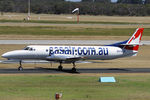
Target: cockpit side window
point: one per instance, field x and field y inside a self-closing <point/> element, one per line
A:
<point x="26" y="48"/>
<point x="29" y="48"/>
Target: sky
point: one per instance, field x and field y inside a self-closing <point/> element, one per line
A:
<point x="114" y="1"/>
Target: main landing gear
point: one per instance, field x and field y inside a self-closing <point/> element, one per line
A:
<point x="74" y="67"/>
<point x="60" y="67"/>
<point x="20" y="68"/>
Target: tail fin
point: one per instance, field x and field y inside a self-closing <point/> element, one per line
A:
<point x="136" y="37"/>
<point x="134" y="42"/>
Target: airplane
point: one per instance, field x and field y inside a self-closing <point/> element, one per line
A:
<point x="73" y="54"/>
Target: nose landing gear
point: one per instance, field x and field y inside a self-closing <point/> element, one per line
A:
<point x="20" y="68"/>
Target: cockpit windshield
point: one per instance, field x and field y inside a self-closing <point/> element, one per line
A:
<point x="29" y="48"/>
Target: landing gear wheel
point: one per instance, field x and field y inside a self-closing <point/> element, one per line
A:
<point x="20" y="68"/>
<point x="60" y="68"/>
<point x="74" y="69"/>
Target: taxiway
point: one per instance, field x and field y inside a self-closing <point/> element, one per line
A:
<point x="79" y="70"/>
<point x="67" y="42"/>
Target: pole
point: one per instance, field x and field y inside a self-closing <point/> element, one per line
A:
<point x="29" y="9"/>
<point x="93" y="6"/>
<point x="78" y="16"/>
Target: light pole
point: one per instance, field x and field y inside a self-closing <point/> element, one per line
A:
<point x="29" y="9"/>
<point x="93" y="7"/>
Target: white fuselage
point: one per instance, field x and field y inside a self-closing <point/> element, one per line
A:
<point x="52" y="52"/>
<point x="72" y="54"/>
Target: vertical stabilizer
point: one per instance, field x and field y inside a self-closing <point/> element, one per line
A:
<point x="136" y="37"/>
<point x="134" y="42"/>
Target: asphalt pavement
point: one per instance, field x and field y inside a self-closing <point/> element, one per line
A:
<point x="63" y="42"/>
<point x="79" y="70"/>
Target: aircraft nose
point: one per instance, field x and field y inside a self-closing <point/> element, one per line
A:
<point x="16" y="54"/>
<point x="8" y="55"/>
<point x="5" y="55"/>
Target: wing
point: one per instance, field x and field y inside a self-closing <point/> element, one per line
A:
<point x="65" y="58"/>
<point x="23" y="61"/>
<point x="36" y="61"/>
<point x="53" y="58"/>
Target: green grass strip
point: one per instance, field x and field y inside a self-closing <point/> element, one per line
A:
<point x="66" y="22"/>
<point x="62" y="31"/>
<point x="44" y="87"/>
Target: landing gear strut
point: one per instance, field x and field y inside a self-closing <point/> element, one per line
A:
<point x="60" y="67"/>
<point x="74" y="69"/>
<point x="20" y="67"/>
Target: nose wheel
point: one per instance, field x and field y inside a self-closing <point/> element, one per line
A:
<point x="20" y="68"/>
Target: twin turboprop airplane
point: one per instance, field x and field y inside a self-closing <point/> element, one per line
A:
<point x="72" y="54"/>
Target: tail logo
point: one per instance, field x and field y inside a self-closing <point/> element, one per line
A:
<point x="136" y="38"/>
<point x="134" y="42"/>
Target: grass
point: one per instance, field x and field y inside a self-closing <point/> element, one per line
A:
<point x="72" y="18"/>
<point x="74" y="87"/>
<point x="61" y="31"/>
<point x="61" y="25"/>
<point x="65" y="22"/>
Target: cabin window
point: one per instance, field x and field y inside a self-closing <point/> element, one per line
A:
<point x="46" y="50"/>
<point x="30" y="49"/>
